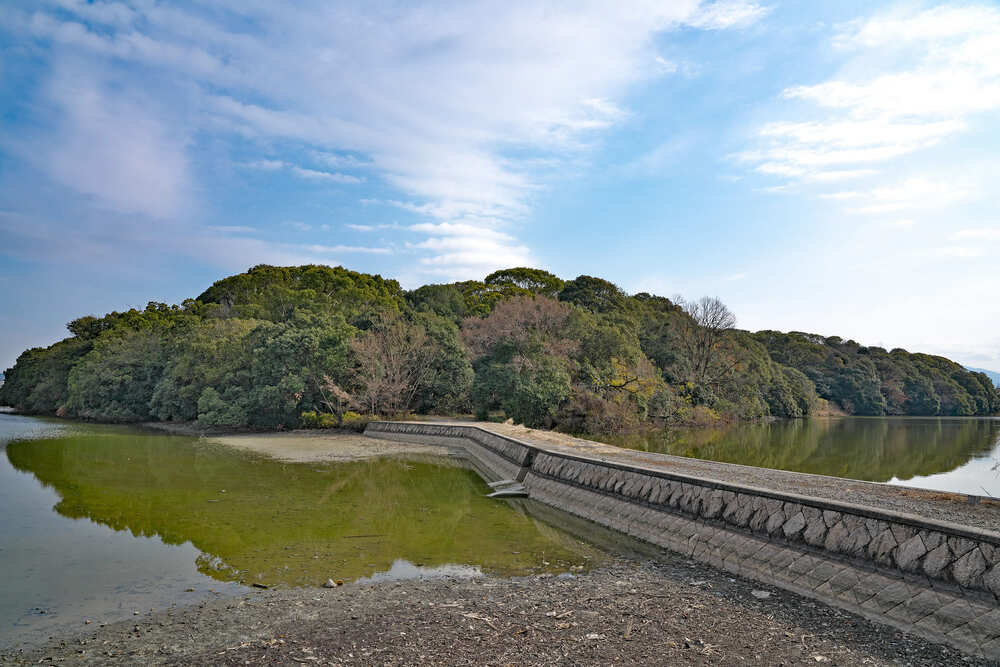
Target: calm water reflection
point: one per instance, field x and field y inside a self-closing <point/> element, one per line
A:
<point x="950" y="454"/>
<point x="100" y="520"/>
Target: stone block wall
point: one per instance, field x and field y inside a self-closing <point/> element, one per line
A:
<point x="962" y="558"/>
<point x="926" y="577"/>
<point x="495" y="457"/>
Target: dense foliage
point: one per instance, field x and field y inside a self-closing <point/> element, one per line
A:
<point x="871" y="381"/>
<point x="280" y="347"/>
<point x="993" y="375"/>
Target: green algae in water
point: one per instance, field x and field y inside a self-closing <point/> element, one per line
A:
<point x="259" y="520"/>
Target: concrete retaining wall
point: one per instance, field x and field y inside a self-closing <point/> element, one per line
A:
<point x="933" y="579"/>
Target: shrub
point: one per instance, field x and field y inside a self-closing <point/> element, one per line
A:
<point x="355" y="421"/>
<point x="313" y="419"/>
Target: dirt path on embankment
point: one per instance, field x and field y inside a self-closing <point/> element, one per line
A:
<point x="941" y="506"/>
<point x="672" y="612"/>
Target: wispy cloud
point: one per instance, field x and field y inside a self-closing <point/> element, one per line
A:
<point x="919" y="194"/>
<point x="303" y="172"/>
<point x="463" y="112"/>
<point x="347" y="249"/>
<point x="231" y="229"/>
<point x="117" y="148"/>
<point x="723" y="14"/>
<point x="985" y="234"/>
<point x="914" y="80"/>
<point x="340" y="161"/>
<point x="372" y="228"/>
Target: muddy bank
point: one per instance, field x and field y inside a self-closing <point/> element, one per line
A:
<point x="669" y="611"/>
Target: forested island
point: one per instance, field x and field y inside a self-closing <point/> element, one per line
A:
<point x="319" y="346"/>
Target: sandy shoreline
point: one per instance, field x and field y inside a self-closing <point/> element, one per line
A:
<point x="319" y="446"/>
<point x="304" y="446"/>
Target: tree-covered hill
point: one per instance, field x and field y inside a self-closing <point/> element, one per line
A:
<point x="280" y="347"/>
<point x="993" y="375"/>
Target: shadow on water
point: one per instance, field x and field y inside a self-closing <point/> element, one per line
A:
<point x="873" y="449"/>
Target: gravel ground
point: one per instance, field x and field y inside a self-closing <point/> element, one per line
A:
<point x="663" y="612"/>
<point x="946" y="507"/>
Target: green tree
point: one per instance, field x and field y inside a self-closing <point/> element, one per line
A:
<point x="594" y="294"/>
<point x="116" y="380"/>
<point x="535" y="281"/>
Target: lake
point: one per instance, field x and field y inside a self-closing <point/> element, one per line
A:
<point x="957" y="454"/>
<point x="100" y="522"/>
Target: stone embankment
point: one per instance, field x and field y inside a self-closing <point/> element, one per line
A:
<point x="935" y="579"/>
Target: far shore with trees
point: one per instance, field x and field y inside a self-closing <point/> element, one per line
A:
<point x="319" y="346"/>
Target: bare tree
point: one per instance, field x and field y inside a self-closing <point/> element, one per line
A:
<point x="704" y="337"/>
<point x="335" y="398"/>
<point x="518" y="320"/>
<point x="394" y="361"/>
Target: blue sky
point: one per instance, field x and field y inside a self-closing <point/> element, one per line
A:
<point x="828" y="167"/>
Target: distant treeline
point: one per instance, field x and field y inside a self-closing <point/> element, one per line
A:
<point x="280" y="347"/>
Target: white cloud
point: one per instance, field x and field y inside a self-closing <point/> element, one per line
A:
<point x="347" y="248"/>
<point x="958" y="251"/>
<point x="721" y="14"/>
<point x="302" y="172"/>
<point x="464" y="109"/>
<point x="340" y="161"/>
<point x="986" y="234"/>
<point x="461" y="230"/>
<point x="316" y="175"/>
<point x="842" y="195"/>
<point x="372" y="228"/>
<point x="913" y="81"/>
<point x="667" y="66"/>
<point x="240" y="253"/>
<point x="914" y="194"/>
<point x="115" y="148"/>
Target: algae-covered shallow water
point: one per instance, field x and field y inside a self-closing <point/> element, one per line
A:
<point x="99" y="522"/>
<point x="955" y="454"/>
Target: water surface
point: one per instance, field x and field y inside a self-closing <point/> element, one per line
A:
<point x="102" y="521"/>
<point x="946" y="454"/>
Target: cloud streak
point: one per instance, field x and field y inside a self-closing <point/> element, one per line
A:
<point x="914" y="81"/>
<point x="463" y="110"/>
<point x="303" y="172"/>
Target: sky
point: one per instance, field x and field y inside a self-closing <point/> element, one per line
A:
<point x="828" y="167"/>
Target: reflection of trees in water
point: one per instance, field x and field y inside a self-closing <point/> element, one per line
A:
<point x="859" y="448"/>
<point x="258" y="519"/>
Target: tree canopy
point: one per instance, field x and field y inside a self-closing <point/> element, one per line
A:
<point x="281" y="347"/>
